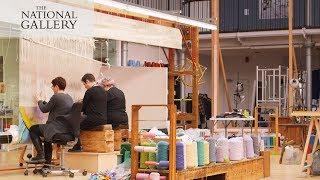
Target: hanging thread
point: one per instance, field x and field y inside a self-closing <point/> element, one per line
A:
<point x="212" y="149"/>
<point x="200" y="148"/>
<point x="163" y="148"/>
<point x="236" y="149"/>
<point x="222" y="150"/>
<point x="248" y="144"/>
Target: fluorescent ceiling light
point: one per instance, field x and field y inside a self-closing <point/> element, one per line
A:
<point x="149" y="12"/>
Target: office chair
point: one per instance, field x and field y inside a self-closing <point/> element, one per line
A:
<point x="64" y="140"/>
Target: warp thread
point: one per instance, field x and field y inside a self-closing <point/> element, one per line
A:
<point x="200" y="147"/>
<point x="180" y="156"/>
<point x="248" y="144"/>
<point x="212" y="149"/>
<point x="222" y="152"/>
<point x="236" y="149"/>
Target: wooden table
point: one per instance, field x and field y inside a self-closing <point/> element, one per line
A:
<point x="227" y="121"/>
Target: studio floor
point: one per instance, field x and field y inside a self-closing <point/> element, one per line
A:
<point x="278" y="172"/>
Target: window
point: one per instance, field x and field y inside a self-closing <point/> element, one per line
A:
<point x="273" y="9"/>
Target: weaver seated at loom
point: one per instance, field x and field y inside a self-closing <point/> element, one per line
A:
<point x="59" y="104"/>
<point x="116" y="104"/>
<point x="93" y="108"/>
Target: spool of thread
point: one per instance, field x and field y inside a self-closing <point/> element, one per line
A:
<point x="163" y="148"/>
<point x="185" y="155"/>
<point x="149" y="135"/>
<point x="163" y="178"/>
<point x="222" y="150"/>
<point x="248" y="144"/>
<point x="142" y="176"/>
<point x="212" y="149"/>
<point x="161" y="164"/>
<point x="200" y="148"/>
<point x="206" y="153"/>
<point x="154" y="176"/>
<point x="180" y="156"/>
<point x="192" y="155"/>
<point x="144" y="154"/>
<point x="236" y="149"/>
<point x="127" y="156"/>
<point x="256" y="144"/>
<point x="152" y="155"/>
<point x="145" y="149"/>
<point x="195" y="154"/>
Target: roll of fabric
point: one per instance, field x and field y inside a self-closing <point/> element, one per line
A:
<point x="248" y="144"/>
<point x="212" y="149"/>
<point x="222" y="152"/>
<point x="236" y="149"/>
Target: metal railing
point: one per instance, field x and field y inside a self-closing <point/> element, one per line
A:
<point x="243" y="15"/>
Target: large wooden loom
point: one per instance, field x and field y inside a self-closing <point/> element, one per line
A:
<point x="228" y="170"/>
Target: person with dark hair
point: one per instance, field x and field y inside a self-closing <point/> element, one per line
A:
<point x="59" y="104"/>
<point x="116" y="105"/>
<point x="94" y="107"/>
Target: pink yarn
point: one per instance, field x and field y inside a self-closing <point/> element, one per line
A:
<point x="248" y="144"/>
<point x="236" y="149"/>
<point x="222" y="152"/>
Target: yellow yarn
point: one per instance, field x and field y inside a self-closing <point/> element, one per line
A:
<point x="191" y="154"/>
<point x="206" y="152"/>
<point x="28" y="122"/>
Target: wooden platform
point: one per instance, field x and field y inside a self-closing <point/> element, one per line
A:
<point x="247" y="169"/>
<point x="92" y="162"/>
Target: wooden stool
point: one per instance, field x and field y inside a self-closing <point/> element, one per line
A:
<point x="100" y="139"/>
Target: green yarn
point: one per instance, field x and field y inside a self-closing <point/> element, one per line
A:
<point x="127" y="156"/>
<point x="144" y="156"/>
<point x="125" y="147"/>
<point x="152" y="156"/>
<point x="163" y="148"/>
<point x="200" y="147"/>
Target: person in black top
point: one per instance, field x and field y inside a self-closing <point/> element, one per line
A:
<point x="94" y="107"/>
<point x="116" y="104"/>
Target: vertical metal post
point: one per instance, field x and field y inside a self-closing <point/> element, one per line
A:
<point x="309" y="73"/>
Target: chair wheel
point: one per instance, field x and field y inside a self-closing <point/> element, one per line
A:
<point x="26" y="173"/>
<point x="20" y="164"/>
<point x="84" y="172"/>
<point x="45" y="175"/>
<point x="71" y="175"/>
<point x="29" y="156"/>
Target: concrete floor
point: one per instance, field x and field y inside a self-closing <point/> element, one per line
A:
<point x="278" y="172"/>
